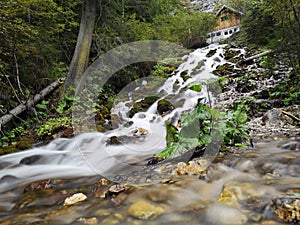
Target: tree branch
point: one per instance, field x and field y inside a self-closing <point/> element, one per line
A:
<point x="30" y="103"/>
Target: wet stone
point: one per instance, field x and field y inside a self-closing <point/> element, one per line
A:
<point x="116" y="188"/>
<point x="287" y="209"/>
<point x="89" y="221"/>
<point x="145" y="210"/>
<point x="164" y="107"/>
<point x="78" y="197"/>
<point x="191" y="168"/>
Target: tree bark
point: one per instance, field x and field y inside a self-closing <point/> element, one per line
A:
<point x="80" y="57"/>
<point x="30" y="103"/>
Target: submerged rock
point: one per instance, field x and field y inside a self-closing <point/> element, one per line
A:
<point x="89" y="221"/>
<point x="225" y="215"/>
<point x="145" y="210"/>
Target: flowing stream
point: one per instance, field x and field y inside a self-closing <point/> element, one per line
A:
<point x="256" y="176"/>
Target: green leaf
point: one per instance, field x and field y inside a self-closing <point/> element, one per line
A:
<point x="195" y="87"/>
<point x="241" y="117"/>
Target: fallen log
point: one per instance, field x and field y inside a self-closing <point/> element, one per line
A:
<point x="30" y="103"/>
<point x="291" y="116"/>
<point x="254" y="56"/>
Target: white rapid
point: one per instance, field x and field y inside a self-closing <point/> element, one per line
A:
<point x="90" y="154"/>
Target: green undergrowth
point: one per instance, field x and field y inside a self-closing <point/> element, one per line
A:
<point x="200" y="126"/>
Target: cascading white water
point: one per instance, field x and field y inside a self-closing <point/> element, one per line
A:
<point x="89" y="154"/>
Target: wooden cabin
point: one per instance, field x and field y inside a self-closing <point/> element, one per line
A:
<point x="229" y="21"/>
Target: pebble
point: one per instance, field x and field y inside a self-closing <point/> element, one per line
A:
<point x="78" y="197"/>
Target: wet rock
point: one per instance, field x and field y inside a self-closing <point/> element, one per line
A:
<point x="211" y="52"/>
<point x="287" y="209"/>
<point x="160" y="196"/>
<point x="102" y="190"/>
<point x="145" y="210"/>
<point x="64" y="215"/>
<point x="114" y="140"/>
<point x="44" y="184"/>
<point x="230" y="53"/>
<point x="30" y="160"/>
<point x="142" y="105"/>
<point x="225" y="215"/>
<point x="272" y="117"/>
<point x="140" y="132"/>
<point x="116" y="188"/>
<point x="224" y="70"/>
<point x="164" y="107"/>
<point x="114" y="219"/>
<point x="246" y="193"/>
<point x="89" y="221"/>
<point x="229" y="195"/>
<point x="102" y="212"/>
<point x="191" y="168"/>
<point x="78" y="197"/>
<point x="119" y="199"/>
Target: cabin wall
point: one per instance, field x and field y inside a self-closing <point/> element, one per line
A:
<point x="228" y="19"/>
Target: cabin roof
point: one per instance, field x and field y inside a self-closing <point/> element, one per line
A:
<point x="229" y="8"/>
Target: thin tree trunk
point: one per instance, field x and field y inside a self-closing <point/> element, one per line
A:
<point x="80" y="58"/>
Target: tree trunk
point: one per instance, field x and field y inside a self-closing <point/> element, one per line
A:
<point x="80" y="58"/>
<point x="30" y="103"/>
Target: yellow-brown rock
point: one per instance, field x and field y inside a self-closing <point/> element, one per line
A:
<point x="145" y="210"/>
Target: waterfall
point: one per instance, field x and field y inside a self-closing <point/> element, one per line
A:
<point x="90" y="154"/>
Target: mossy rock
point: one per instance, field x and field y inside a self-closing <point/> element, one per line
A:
<point x="143" y="105"/>
<point x="164" y="106"/>
<point x="24" y="144"/>
<point x="211" y="53"/>
<point x="224" y="70"/>
<point x="245" y="86"/>
<point x="184" y="75"/>
<point x="229" y="54"/>
<point x="8" y="149"/>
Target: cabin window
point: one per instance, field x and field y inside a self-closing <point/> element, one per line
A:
<point x="226" y="33"/>
<point x="230" y="32"/>
<point x="223" y="18"/>
<point x="219" y="33"/>
<point x="235" y="29"/>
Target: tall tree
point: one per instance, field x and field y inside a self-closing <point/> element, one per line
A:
<point x="80" y="58"/>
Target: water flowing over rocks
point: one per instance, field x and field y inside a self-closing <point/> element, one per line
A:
<point x="257" y="185"/>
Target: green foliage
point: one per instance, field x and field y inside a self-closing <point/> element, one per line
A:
<point x="184" y="27"/>
<point x="197" y="130"/>
<point x="30" y="33"/>
<point x="195" y="87"/>
<point x="53" y="124"/>
<point x="236" y="128"/>
<point x="162" y="70"/>
<point x="8" y="137"/>
<point x="258" y="24"/>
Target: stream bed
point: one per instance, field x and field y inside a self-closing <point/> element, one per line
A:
<point x="256" y="186"/>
